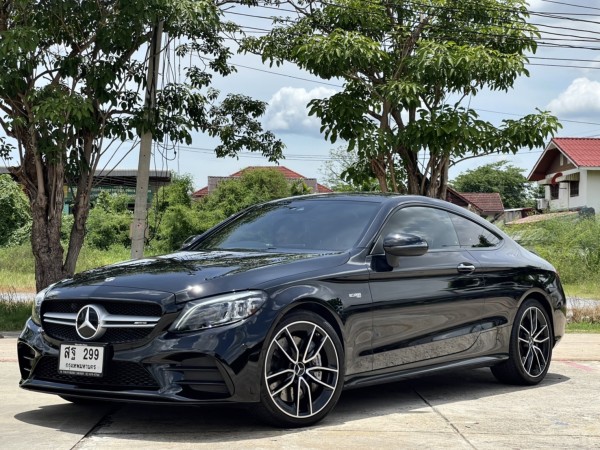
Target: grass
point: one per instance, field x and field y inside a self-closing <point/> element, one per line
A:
<point x="584" y="289"/>
<point x="14" y="311"/>
<point x="17" y="264"/>
<point x="583" y="328"/>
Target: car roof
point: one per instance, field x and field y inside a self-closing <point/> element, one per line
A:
<point x="390" y="200"/>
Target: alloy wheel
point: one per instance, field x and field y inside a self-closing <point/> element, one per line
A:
<point x="534" y="342"/>
<point x="302" y="369"/>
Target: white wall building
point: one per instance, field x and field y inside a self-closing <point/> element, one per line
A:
<point x="569" y="170"/>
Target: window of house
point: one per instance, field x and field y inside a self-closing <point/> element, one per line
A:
<point x="574" y="188"/>
<point x="554" y="191"/>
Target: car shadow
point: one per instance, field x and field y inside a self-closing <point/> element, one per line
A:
<point x="218" y="424"/>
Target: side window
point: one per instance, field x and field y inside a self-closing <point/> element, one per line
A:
<point x="473" y="235"/>
<point x="433" y="225"/>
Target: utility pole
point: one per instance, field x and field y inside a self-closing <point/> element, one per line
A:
<point x="140" y="213"/>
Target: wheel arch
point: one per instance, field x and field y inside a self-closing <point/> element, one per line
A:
<point x="318" y="307"/>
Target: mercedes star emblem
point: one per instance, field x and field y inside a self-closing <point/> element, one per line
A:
<point x="89" y="322"/>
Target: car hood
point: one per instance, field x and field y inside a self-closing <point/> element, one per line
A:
<point x="193" y="274"/>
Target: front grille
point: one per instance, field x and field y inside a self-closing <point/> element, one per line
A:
<point x="121" y="335"/>
<point x="124" y="307"/>
<point x="117" y="375"/>
<point x="112" y="335"/>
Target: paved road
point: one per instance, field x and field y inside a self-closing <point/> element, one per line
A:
<point x="466" y="409"/>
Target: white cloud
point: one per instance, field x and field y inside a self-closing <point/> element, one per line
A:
<point x="580" y="99"/>
<point x="287" y="111"/>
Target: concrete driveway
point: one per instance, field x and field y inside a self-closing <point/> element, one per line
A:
<point x="465" y="409"/>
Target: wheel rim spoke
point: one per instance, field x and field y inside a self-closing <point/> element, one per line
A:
<point x="292" y="360"/>
<point x="312" y="334"/>
<point x="280" y="373"/>
<point x="316" y="380"/>
<point x="318" y="351"/>
<point x="540" y="354"/>
<point x="309" y="394"/>
<point x="298" y="397"/>
<point x="537" y="335"/>
<point x="293" y="342"/>
<point x="281" y="389"/>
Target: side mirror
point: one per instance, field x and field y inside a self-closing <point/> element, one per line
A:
<point x="399" y="244"/>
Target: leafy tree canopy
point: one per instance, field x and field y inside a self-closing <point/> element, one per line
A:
<point x="345" y="172"/>
<point x="254" y="186"/>
<point x="73" y="78"/>
<point x="408" y="69"/>
<point x="501" y="177"/>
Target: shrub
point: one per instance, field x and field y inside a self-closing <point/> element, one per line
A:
<point x="571" y="244"/>
<point x="109" y="221"/>
<point x="15" y="220"/>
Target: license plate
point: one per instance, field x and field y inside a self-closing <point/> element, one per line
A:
<point x="81" y="359"/>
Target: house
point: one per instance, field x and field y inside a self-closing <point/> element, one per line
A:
<point x="569" y="170"/>
<point x="289" y="175"/>
<point x="485" y="204"/>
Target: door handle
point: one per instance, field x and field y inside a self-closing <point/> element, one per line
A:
<point x="465" y="268"/>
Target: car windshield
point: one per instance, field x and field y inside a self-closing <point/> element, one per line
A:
<point x="297" y="224"/>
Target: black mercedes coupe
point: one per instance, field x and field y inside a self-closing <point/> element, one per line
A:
<point x="287" y="303"/>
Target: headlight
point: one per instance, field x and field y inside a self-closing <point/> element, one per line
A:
<point x="37" y="305"/>
<point x="219" y="310"/>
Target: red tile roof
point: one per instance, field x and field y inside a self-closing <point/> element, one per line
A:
<point x="287" y="173"/>
<point x="489" y="202"/>
<point x="201" y="192"/>
<point x="584" y="152"/>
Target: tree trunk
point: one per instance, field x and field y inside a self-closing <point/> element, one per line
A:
<point x="43" y="181"/>
<point x="81" y="206"/>
<point x="46" y="246"/>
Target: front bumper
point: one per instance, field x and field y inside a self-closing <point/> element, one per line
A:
<point x="218" y="365"/>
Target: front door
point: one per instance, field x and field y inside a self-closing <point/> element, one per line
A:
<point x="428" y="306"/>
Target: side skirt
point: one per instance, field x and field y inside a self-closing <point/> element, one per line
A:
<point x="371" y="379"/>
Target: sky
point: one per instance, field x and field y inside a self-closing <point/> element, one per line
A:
<point x="564" y="80"/>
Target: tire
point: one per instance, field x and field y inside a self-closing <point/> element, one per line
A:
<point x="530" y="349"/>
<point x="302" y="371"/>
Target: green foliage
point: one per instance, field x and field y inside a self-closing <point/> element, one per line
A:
<point x="254" y="186"/>
<point x="572" y="245"/>
<point x="345" y="171"/>
<point x="407" y="68"/>
<point x="72" y="76"/>
<point x="15" y="221"/>
<point x="173" y="218"/>
<point x="178" y="192"/>
<point x="109" y="221"/>
<point x="501" y="177"/>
